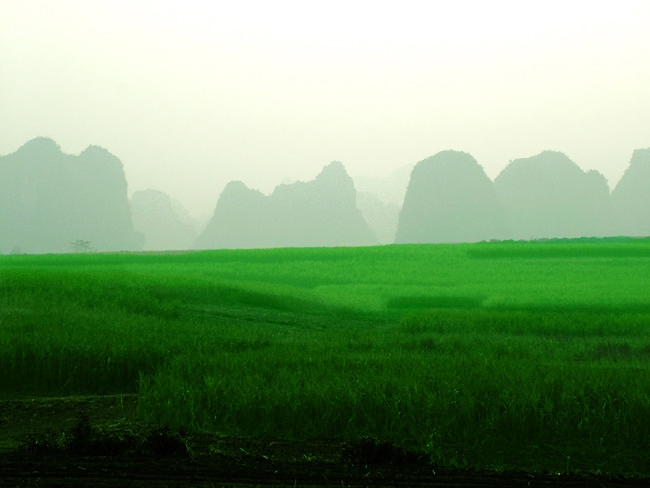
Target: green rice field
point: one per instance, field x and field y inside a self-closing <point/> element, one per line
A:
<point x="508" y="355"/>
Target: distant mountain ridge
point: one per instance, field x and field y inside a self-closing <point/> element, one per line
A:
<point x="390" y="189"/>
<point x="380" y="201"/>
<point x="165" y="224"/>
<point x="380" y="216"/>
<point x="49" y="199"/>
<point x="51" y="202"/>
<point x="542" y="197"/>
<point x="321" y="212"/>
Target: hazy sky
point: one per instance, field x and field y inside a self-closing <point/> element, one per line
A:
<point x="193" y="94"/>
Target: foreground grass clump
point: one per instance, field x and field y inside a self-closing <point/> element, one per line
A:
<point x="507" y="355"/>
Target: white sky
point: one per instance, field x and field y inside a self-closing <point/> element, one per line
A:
<point x="193" y="94"/>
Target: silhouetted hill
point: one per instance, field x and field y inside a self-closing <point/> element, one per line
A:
<point x="631" y="198"/>
<point x="449" y="199"/>
<point x="236" y="220"/>
<point x="165" y="224"/>
<point x="549" y="196"/>
<point x="49" y="200"/>
<point x="321" y="212"/>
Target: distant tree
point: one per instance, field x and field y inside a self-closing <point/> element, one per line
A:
<point x="81" y="246"/>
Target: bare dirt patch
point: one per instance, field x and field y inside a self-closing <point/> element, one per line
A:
<point x="98" y="441"/>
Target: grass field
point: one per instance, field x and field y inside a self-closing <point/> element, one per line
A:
<point x="504" y="355"/>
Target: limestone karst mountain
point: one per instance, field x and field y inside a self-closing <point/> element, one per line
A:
<point x="165" y="224"/>
<point x="49" y="199"/>
<point x="449" y="199"/>
<point x="631" y="198"/>
<point x="548" y="196"/>
<point x="321" y="212"/>
<point x="235" y="221"/>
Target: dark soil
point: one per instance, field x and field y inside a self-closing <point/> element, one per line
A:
<point x="98" y="441"/>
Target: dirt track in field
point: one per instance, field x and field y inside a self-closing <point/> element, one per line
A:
<point x="212" y="460"/>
